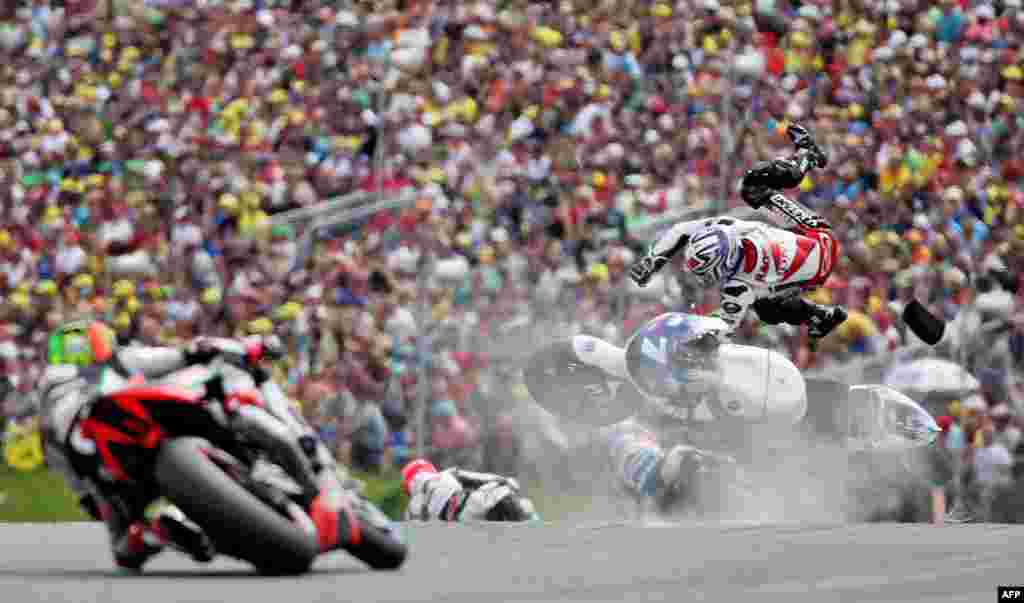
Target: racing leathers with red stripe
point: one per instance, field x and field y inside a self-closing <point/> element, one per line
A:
<point x="766" y="263"/>
<point x="758" y="265"/>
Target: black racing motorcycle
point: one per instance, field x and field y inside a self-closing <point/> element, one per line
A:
<point x="169" y="439"/>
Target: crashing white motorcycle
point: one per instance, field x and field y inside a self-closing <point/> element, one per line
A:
<point x="679" y="403"/>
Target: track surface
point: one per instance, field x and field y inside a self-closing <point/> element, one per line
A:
<point x="556" y="562"/>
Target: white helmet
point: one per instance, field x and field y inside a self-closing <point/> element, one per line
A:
<point x="709" y="255"/>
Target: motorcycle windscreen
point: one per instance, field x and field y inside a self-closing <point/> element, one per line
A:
<point x="650" y="350"/>
<point x="761" y="386"/>
<point x="881" y="418"/>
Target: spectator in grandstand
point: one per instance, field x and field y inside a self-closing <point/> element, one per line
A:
<point x="369" y="439"/>
<point x="991" y="464"/>
<point x="1008" y="500"/>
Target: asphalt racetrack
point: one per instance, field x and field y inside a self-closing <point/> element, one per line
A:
<point x="617" y="561"/>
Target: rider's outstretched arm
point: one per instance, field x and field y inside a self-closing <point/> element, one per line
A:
<point x="667" y="245"/>
<point x="151" y="361"/>
<point x="154" y="362"/>
<point x="676" y="238"/>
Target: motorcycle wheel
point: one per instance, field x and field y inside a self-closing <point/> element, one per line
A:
<point x="379" y="547"/>
<point x="239" y="524"/>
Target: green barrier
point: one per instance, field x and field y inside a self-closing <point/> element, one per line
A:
<point x="386" y="492"/>
<point x="42" y="496"/>
<point x="36" y="496"/>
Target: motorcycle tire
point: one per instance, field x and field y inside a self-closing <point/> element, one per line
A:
<point x="239" y="524"/>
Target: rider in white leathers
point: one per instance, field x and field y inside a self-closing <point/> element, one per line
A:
<point x="754" y="264"/>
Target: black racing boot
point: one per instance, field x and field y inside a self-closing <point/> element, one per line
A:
<point x="824" y="319"/>
<point x="802" y="140"/>
<point x="144" y="539"/>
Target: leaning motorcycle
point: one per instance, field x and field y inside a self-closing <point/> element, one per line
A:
<point x="169" y="439"/>
<point x="590" y="385"/>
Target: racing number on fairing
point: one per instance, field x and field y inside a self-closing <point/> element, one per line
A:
<point x="658" y="354"/>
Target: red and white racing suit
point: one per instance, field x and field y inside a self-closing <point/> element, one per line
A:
<point x="765" y="262"/>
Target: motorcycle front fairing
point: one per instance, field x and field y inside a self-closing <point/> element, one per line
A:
<point x="880" y="418"/>
<point x="760" y="386"/>
<point x="750" y="384"/>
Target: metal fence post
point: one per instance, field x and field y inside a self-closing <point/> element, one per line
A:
<point x="424" y="354"/>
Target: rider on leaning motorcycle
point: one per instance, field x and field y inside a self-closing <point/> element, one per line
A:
<point x="83" y="355"/>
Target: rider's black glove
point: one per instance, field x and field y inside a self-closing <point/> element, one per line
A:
<point x="642" y="271"/>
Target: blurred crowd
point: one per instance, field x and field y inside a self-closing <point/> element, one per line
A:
<point x="146" y="146"/>
<point x="978" y="462"/>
